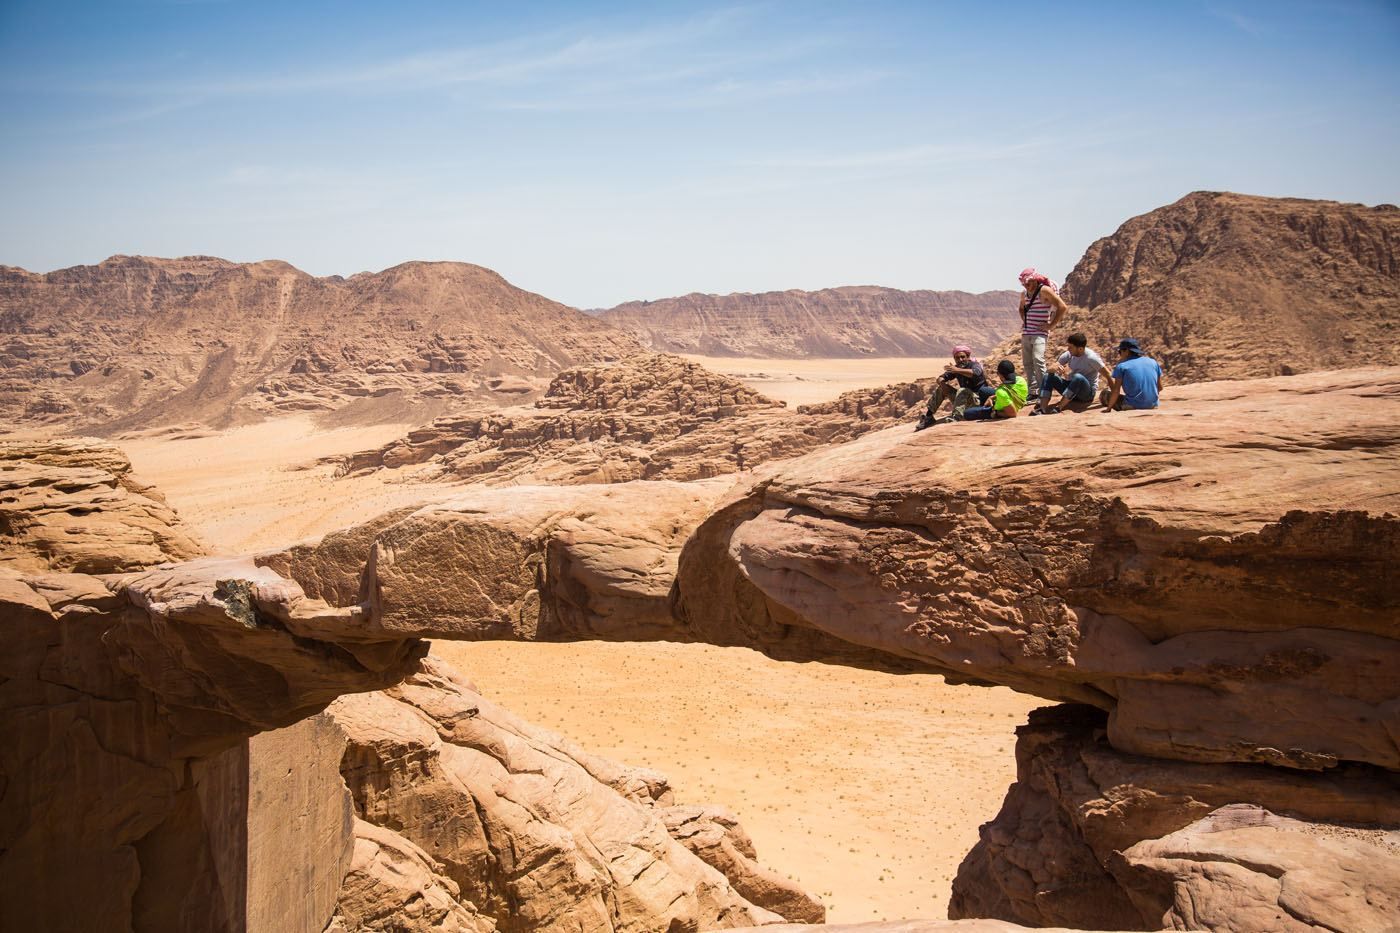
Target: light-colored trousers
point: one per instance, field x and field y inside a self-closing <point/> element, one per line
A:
<point x="1033" y="362"/>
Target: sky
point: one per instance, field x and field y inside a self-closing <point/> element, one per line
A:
<point x="602" y="152"/>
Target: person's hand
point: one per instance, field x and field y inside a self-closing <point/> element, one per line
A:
<point x="948" y="367"/>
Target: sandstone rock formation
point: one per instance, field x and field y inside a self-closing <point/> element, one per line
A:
<point x="1091" y="836"/>
<point x="1229" y="286"/>
<point x="536" y="563"/>
<point x="851" y="321"/>
<point x="73" y="505"/>
<point x="531" y="832"/>
<point x="135" y="341"/>
<point x="1201" y="571"/>
<point x="126" y="700"/>
<point x="124" y="703"/>
<point x="655" y="417"/>
<point x="1217" y="577"/>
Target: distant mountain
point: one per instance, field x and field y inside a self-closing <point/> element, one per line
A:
<point x="851" y="321"/>
<point x="1229" y="286"/>
<point x="134" y="342"/>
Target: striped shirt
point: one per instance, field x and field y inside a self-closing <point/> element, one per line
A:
<point x="1038" y="316"/>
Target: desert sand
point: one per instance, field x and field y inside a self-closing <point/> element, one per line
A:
<point x="866" y="788"/>
<point x="807" y="381"/>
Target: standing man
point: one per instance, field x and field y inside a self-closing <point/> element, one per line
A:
<point x="1082" y="385"/>
<point x="1041" y="310"/>
<point x="1137" y="379"/>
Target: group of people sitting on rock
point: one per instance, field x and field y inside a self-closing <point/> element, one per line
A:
<point x="1134" y="383"/>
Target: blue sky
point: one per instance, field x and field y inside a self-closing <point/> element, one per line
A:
<point x="602" y="152"/>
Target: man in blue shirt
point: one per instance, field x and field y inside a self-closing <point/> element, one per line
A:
<point x="1137" y="379"/>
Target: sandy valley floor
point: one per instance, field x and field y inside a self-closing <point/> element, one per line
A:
<point x="865" y="787"/>
<point x="804" y="382"/>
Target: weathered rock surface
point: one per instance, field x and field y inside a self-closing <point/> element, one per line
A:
<point x="907" y="926"/>
<point x="1199" y="281"/>
<point x="538" y="563"/>
<point x="125" y="702"/>
<point x="1090" y="836"/>
<point x="653" y="417"/>
<point x="71" y="504"/>
<point x="1203" y="571"/>
<point x="135" y="341"/>
<point x="533" y="833"/>
<point x="851" y="321"/>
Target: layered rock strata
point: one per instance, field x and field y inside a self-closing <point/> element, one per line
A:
<point x="651" y="418"/>
<point x="1090" y="836"/>
<point x="851" y="321"/>
<point x="136" y="341"/>
<point x="73" y="505"/>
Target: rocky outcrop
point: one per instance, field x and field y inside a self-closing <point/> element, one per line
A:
<point x="1229" y="286"/>
<point x="134" y="342"/>
<point x="851" y="321"/>
<point x="73" y="504"/>
<point x="656" y="417"/>
<point x="1202" y="571"/>
<point x="125" y="702"/>
<point x="535" y="834"/>
<point x="1215" y="582"/>
<point x="1090" y="836"/>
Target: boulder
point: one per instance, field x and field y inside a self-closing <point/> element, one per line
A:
<point x="1089" y="836"/>
<point x="535" y="833"/>
<point x="72" y="504"/>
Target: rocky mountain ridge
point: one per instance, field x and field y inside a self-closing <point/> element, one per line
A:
<point x="135" y="341"/>
<point x="849" y="321"/>
<point x="1230" y="286"/>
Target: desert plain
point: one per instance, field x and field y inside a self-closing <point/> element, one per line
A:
<point x="865" y="787"/>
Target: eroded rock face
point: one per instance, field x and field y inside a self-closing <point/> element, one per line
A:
<point x="651" y="417"/>
<point x="1202" y="572"/>
<point x="1090" y="836"/>
<point x="523" y="562"/>
<point x="73" y="505"/>
<point x="125" y="702"/>
<point x="534" y="833"/>
<point x="850" y="321"/>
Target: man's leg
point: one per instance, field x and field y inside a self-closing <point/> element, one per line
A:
<point x="1052" y="383"/>
<point x="961" y="401"/>
<point x="1078" y="389"/>
<point x="980" y="413"/>
<point x="1033" y="362"/>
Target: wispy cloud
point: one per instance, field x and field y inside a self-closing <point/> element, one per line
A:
<point x="709" y="59"/>
<point x="919" y="155"/>
<point x="1241" y="22"/>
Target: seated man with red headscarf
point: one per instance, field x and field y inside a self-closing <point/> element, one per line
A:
<point x="963" y="381"/>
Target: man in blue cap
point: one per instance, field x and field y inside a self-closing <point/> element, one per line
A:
<point x="1137" y="379"/>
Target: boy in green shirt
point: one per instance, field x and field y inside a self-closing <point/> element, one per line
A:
<point x="1009" y="399"/>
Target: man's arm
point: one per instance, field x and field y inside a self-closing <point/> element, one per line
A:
<point x="1059" y="305"/>
<point x="953" y="370"/>
<point x="1113" y="396"/>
